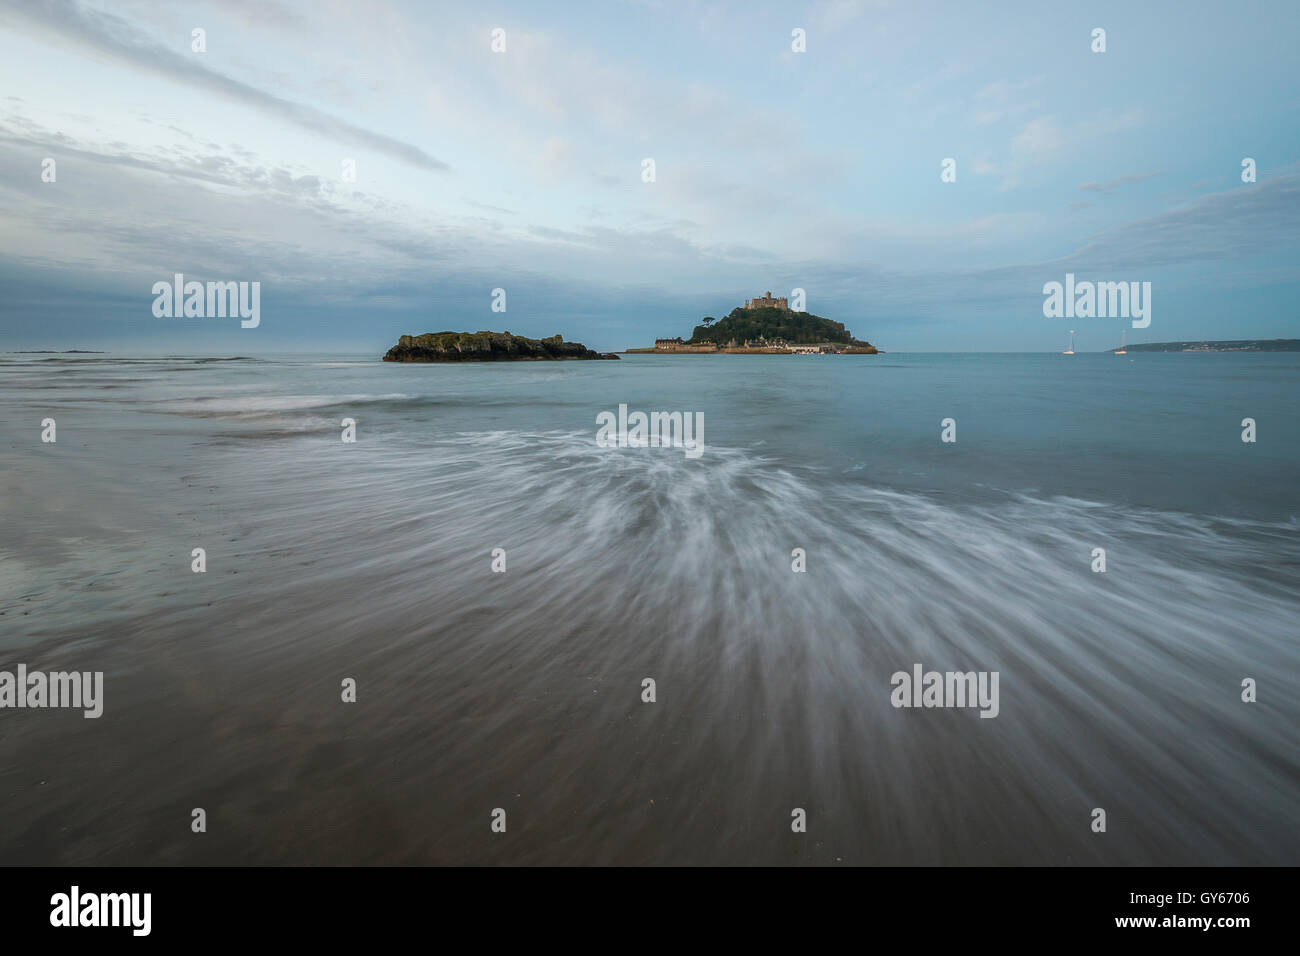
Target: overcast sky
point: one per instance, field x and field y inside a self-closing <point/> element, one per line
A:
<point x="523" y="169"/>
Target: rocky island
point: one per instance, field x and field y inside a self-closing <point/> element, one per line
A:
<point x="486" y="347"/>
<point x="766" y="326"/>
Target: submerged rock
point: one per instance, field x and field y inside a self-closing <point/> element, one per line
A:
<point x="486" y="347"/>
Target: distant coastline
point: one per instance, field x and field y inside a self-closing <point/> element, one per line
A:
<point x="1235" y="345"/>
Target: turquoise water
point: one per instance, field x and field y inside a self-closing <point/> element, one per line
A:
<point x="522" y="689"/>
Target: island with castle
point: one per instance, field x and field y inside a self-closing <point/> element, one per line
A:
<point x="764" y="326"/>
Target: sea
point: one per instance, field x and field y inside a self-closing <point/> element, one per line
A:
<point x="475" y="636"/>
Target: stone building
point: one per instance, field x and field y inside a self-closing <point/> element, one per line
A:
<point x="677" y="345"/>
<point x="767" y="302"/>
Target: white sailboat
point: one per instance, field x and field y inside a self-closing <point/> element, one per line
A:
<point x="1070" y="350"/>
<point x="1121" y="350"/>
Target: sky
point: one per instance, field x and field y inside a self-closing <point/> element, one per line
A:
<point x="523" y="168"/>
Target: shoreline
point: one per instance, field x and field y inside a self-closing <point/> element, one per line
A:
<point x="741" y="350"/>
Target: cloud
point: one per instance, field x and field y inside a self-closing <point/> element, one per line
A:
<point x="1126" y="180"/>
<point x="1002" y="91"/>
<point x="1002" y="100"/>
<point x="1240" y="223"/>
<point x="491" y="208"/>
<point x="1042" y="139"/>
<point x="261" y="14"/>
<point x="556" y="159"/>
<point x="66" y="22"/>
<point x="215" y="169"/>
<point x="832" y="15"/>
<point x="1039" y="139"/>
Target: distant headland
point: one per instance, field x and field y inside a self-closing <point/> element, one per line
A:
<point x="765" y="326"/>
<point x="487" y="347"/>
<point x="1239" y="345"/>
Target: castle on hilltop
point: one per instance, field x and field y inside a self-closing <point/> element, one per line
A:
<point x="767" y="302"/>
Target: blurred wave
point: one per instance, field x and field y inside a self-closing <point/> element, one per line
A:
<point x="522" y="689"/>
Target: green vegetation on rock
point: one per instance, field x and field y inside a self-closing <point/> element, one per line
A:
<point x="795" y="328"/>
<point x="486" y="347"/>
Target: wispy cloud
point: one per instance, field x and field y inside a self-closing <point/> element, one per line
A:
<point x="65" y="22"/>
<point x="1126" y="180"/>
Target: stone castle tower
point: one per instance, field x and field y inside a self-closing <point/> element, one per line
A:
<point x="767" y="302"/>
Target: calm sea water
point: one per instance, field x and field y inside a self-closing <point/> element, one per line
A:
<point x="522" y="690"/>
